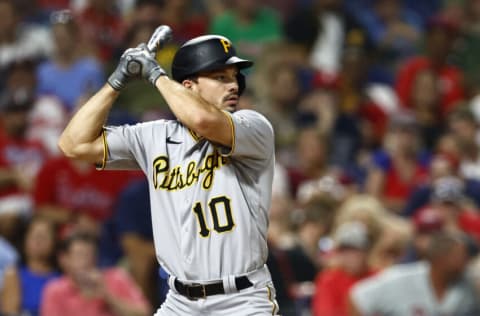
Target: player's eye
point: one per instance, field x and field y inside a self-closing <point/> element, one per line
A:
<point x="220" y="77"/>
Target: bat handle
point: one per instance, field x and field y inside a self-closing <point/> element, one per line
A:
<point x="161" y="35"/>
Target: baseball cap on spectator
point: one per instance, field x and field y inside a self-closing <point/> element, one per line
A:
<point x="448" y="190"/>
<point x="16" y="101"/>
<point x="428" y="220"/>
<point x="352" y="234"/>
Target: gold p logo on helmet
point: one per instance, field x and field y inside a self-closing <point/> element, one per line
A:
<point x="226" y="45"/>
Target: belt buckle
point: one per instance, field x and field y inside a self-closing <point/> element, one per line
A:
<point x="203" y="292"/>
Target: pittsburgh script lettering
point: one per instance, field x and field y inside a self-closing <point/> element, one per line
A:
<point x="178" y="177"/>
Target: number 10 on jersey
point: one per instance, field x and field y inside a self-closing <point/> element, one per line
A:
<point x="214" y="206"/>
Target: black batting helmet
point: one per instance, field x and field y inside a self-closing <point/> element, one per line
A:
<point x="206" y="53"/>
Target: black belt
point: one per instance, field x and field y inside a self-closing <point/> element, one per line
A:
<point x="195" y="290"/>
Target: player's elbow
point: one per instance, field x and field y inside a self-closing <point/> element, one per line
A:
<point x="204" y="123"/>
<point x="72" y="149"/>
<point x="66" y="147"/>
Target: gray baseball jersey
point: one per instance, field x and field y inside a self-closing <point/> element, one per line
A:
<point x="405" y="290"/>
<point x="209" y="203"/>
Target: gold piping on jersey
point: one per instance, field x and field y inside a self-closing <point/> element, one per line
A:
<point x="105" y="150"/>
<point x="274" y="306"/>
<point x="232" y="129"/>
<point x="194" y="135"/>
<point x="179" y="177"/>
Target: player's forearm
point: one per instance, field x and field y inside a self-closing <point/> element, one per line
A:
<point x="80" y="139"/>
<point x="192" y="110"/>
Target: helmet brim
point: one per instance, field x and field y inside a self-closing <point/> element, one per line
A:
<point x="239" y="62"/>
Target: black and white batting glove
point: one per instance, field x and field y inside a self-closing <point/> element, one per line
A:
<point x="126" y="69"/>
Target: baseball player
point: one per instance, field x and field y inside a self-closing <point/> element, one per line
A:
<point x="209" y="172"/>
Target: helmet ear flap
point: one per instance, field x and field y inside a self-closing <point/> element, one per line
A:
<point x="241" y="83"/>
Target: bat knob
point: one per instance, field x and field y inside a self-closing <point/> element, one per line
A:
<point x="134" y="67"/>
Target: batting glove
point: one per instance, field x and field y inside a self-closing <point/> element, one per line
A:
<point x="150" y="69"/>
<point x="126" y="69"/>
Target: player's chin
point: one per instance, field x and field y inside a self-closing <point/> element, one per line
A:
<point x="230" y="105"/>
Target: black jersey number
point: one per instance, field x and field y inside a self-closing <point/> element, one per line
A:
<point x="215" y="205"/>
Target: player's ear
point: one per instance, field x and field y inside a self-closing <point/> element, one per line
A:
<point x="189" y="83"/>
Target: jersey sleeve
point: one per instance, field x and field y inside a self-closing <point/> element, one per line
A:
<point x="252" y="136"/>
<point x="125" y="146"/>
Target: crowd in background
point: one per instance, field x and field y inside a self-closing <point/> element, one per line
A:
<point x="376" y="110"/>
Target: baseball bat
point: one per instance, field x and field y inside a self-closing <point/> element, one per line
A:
<point x="160" y="36"/>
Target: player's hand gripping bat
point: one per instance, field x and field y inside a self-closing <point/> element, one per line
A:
<point x="160" y="36"/>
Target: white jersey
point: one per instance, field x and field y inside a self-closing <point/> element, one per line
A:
<point x="405" y="290"/>
<point x="209" y="203"/>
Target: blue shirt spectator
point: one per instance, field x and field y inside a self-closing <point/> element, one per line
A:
<point x="70" y="83"/>
<point x="32" y="288"/>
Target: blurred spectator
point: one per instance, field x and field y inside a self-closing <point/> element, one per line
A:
<point x="280" y="233"/>
<point x="319" y="108"/>
<point x="8" y="257"/>
<point x="440" y="37"/>
<point x="280" y="107"/>
<point x="351" y="265"/>
<point x="24" y="285"/>
<point x="463" y="126"/>
<point x="392" y="243"/>
<point x="86" y="290"/>
<point x="311" y="158"/>
<point x="75" y="195"/>
<point x="319" y="29"/>
<point x="356" y="111"/>
<point x="392" y="28"/>
<point x="363" y="208"/>
<point x="20" y="76"/>
<point x="20" y="161"/>
<point x="467" y="48"/>
<point x="397" y="168"/>
<point x="442" y="166"/>
<point x="425" y="8"/>
<point x="455" y="209"/>
<point x="102" y="28"/>
<point x="474" y="273"/>
<point x="53" y="5"/>
<point x="425" y="102"/>
<point x="184" y="23"/>
<point x="48" y="118"/>
<point x="426" y="223"/>
<point x="296" y="260"/>
<point x="249" y="25"/>
<point x="68" y="75"/>
<point x="435" y="287"/>
<point x="130" y="230"/>
<point x="281" y="237"/>
<point x="326" y="186"/>
<point x="20" y="41"/>
<point x="302" y="28"/>
<point x="327" y="49"/>
<point x="145" y="11"/>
